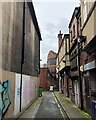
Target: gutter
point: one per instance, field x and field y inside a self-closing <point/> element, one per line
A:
<point x="64" y="109"/>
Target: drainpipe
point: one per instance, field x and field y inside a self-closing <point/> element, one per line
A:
<point x="58" y="74"/>
<point x="80" y="80"/>
<point x="67" y="87"/>
<point x="22" y="54"/>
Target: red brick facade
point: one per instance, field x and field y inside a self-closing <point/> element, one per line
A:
<point x="44" y="82"/>
<point x="51" y="64"/>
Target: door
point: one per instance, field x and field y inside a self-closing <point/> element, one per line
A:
<point x="76" y="91"/>
<point x="87" y="92"/>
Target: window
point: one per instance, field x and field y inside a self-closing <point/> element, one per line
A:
<point x="73" y="31"/>
<point x="52" y="61"/>
<point x="84" y="10"/>
<point x="71" y="35"/>
<point x="66" y="46"/>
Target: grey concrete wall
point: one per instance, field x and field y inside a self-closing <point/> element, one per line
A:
<point x="12" y="17"/>
<point x="1" y="35"/>
<point x="31" y="55"/>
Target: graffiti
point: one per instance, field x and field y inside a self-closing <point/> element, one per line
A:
<point x="18" y="91"/>
<point x="4" y="98"/>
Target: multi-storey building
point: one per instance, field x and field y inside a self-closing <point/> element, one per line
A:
<point x="51" y="67"/>
<point x="88" y="55"/>
<point x="19" y="68"/>
<point x="48" y="72"/>
<point x="66" y="69"/>
<point x="63" y="63"/>
<point x="74" y="30"/>
<point x="59" y="63"/>
<point x="82" y="76"/>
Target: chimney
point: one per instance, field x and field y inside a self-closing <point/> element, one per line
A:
<point x="59" y="39"/>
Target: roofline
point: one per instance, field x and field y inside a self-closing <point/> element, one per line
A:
<point x="33" y="15"/>
<point x="74" y="14"/>
<point x="52" y="52"/>
<point x="65" y="36"/>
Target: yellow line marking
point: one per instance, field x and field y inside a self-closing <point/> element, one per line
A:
<point x="58" y="106"/>
<point x="55" y="100"/>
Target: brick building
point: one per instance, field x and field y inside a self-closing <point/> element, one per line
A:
<point x="82" y="74"/>
<point x="74" y="30"/>
<point x="48" y="72"/>
<point x="44" y="81"/>
<point x="63" y="63"/>
<point x="51" y="66"/>
<point x="88" y="56"/>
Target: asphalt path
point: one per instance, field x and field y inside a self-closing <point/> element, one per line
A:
<point x="49" y="107"/>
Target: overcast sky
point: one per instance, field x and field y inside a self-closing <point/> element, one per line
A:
<point x="53" y="16"/>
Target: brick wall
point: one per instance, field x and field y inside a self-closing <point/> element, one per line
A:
<point x="44" y="82"/>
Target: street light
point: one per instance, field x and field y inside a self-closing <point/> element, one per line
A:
<point x="81" y="38"/>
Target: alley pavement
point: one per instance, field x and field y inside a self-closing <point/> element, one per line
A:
<point x="48" y="107"/>
<point x="31" y="111"/>
<point x="54" y="105"/>
<point x="72" y="111"/>
<point x="44" y="107"/>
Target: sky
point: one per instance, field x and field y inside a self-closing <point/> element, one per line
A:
<point x="52" y="16"/>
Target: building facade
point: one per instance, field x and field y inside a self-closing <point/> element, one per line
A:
<point x="20" y="57"/>
<point x="51" y="68"/>
<point x="88" y="63"/>
<point x="74" y="30"/>
<point x="81" y="73"/>
<point x="63" y="63"/>
<point x="44" y="81"/>
<point x="59" y="63"/>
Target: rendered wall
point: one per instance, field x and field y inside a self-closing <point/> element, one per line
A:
<point x="11" y="86"/>
<point x="29" y="91"/>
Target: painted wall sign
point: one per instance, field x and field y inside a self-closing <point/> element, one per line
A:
<point x="90" y="65"/>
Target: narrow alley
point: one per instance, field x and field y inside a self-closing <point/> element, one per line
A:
<point x="48" y="59"/>
<point x="46" y="107"/>
<point x="53" y="105"/>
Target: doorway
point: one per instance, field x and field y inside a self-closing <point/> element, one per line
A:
<point x="76" y="91"/>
